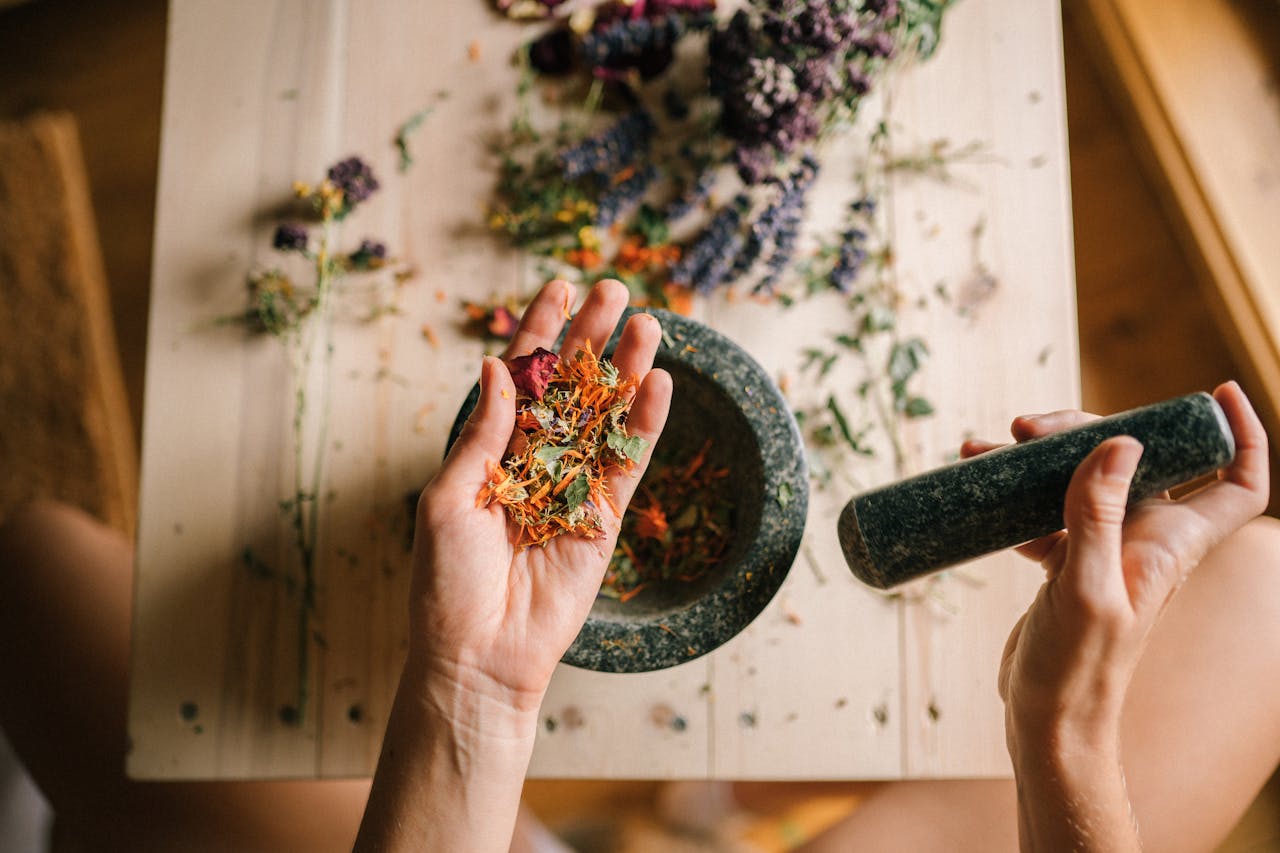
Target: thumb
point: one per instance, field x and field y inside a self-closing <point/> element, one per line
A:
<point x="484" y="437"/>
<point x="1094" y="515"/>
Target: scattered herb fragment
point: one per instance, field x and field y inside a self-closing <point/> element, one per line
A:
<point x="678" y="525"/>
<point x="493" y="320"/>
<point x="410" y="125"/>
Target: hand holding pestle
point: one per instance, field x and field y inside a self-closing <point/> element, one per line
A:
<point x="1015" y="493"/>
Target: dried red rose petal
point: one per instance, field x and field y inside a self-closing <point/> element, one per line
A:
<point x="532" y="373"/>
<point x="502" y="323"/>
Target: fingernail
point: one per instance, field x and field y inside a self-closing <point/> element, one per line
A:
<point x="1122" y="457"/>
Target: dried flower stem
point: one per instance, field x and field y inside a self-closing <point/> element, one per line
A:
<point x="305" y="507"/>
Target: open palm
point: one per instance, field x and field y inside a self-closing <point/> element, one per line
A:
<point x="501" y="618"/>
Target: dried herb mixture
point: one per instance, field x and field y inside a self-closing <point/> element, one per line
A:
<point x="570" y="433"/>
<point x="678" y="527"/>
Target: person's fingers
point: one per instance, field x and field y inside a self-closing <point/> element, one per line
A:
<point x="1039" y="549"/>
<point x="1027" y="427"/>
<point x="1244" y="486"/>
<point x="647" y="418"/>
<point x="542" y="320"/>
<point x="485" y="435"/>
<point x="597" y="318"/>
<point x="1094" y="513"/>
<point x="636" y="346"/>
<point x="976" y="447"/>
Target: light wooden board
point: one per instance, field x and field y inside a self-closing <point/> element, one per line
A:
<point x="831" y="681"/>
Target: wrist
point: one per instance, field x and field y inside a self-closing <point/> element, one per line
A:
<point x="451" y="768"/>
<point x="471" y="705"/>
<point x="1065" y="723"/>
<point x="1071" y="787"/>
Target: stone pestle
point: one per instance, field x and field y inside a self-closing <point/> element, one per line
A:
<point x="1013" y="494"/>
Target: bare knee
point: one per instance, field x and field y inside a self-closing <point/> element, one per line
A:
<point x="43" y="527"/>
<point x="1242" y="578"/>
<point x="1252" y="552"/>
<point x="33" y="523"/>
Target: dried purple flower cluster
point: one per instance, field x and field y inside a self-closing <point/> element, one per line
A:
<point x="707" y="263"/>
<point x="645" y="44"/>
<point x="849" y="262"/>
<point x="733" y="244"/>
<point x="278" y="307"/>
<point x="778" y="229"/>
<point x="370" y="255"/>
<point x="784" y="69"/>
<point x="779" y="75"/>
<point x="355" y="178"/>
<point x="626" y="141"/>
<point x="290" y="237"/>
<point x="624" y="37"/>
<point x="852" y="253"/>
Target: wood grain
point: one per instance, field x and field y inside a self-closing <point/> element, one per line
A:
<point x="831" y="681"/>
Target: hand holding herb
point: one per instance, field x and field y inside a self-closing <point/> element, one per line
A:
<point x="489" y="620"/>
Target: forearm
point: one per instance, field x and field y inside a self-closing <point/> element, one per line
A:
<point x="1071" y="793"/>
<point x="450" y="773"/>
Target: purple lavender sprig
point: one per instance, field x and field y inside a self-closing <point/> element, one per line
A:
<point x="624" y="196"/>
<point x="693" y="195"/>
<point x="780" y="224"/>
<point x="611" y="150"/>
<point x="707" y="263"/>
<point x="849" y="261"/>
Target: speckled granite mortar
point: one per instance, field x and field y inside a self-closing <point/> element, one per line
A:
<point x="721" y="393"/>
<point x="1008" y="496"/>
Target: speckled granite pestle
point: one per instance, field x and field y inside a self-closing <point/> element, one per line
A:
<point x="1005" y="497"/>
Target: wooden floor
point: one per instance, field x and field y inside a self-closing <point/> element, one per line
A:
<point x="1144" y="330"/>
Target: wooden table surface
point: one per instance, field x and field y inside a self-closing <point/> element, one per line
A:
<point x="832" y="680"/>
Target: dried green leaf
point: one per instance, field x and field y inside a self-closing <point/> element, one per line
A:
<point x="549" y="456"/>
<point x="630" y="446"/>
<point x="905" y="359"/>
<point x="842" y="426"/>
<point x="917" y="407"/>
<point x="879" y="319"/>
<point x="576" y="492"/>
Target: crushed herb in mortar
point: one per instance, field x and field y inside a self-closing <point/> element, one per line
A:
<point x="678" y="525"/>
<point x="571" y="416"/>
